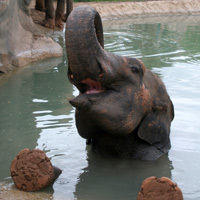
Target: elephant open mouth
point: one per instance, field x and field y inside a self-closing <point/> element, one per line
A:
<point x="92" y="86"/>
<point x="87" y="85"/>
<point x="98" y="83"/>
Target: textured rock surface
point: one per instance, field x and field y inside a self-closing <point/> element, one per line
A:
<point x="159" y="189"/>
<point x="20" y="41"/>
<point x="150" y="8"/>
<point x="126" y="9"/>
<point x="32" y="170"/>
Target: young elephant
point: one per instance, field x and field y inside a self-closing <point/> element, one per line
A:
<point x="123" y="108"/>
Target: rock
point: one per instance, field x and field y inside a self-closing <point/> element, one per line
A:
<point x="159" y="189"/>
<point x="32" y="170"/>
<point x="20" y="41"/>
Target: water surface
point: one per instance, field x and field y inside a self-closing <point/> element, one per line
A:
<point x="35" y="113"/>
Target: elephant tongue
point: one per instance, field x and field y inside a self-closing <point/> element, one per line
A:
<point x="93" y="86"/>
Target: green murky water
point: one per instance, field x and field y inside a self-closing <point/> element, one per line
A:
<point x="35" y="113"/>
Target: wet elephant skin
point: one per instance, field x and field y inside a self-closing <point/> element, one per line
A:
<point x="123" y="108"/>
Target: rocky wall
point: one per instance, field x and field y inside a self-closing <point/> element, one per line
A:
<point x="20" y="41"/>
<point x="145" y="8"/>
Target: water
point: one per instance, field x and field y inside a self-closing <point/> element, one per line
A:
<point x="35" y="113"/>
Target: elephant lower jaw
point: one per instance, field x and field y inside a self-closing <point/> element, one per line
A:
<point x="89" y="89"/>
<point x="80" y="102"/>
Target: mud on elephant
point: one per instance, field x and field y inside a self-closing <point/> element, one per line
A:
<point x="54" y="18"/>
<point x="123" y="108"/>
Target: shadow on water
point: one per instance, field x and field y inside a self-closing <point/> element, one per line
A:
<point x="117" y="179"/>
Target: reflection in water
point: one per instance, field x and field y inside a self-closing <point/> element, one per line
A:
<point x="35" y="113"/>
<point x="17" y="124"/>
<point x="117" y="179"/>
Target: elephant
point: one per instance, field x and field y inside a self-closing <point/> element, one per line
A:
<point x="53" y="18"/>
<point x="123" y="108"/>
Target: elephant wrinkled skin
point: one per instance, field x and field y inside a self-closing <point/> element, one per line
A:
<point x="123" y="108"/>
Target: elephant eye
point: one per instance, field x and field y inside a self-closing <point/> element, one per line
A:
<point x="134" y="69"/>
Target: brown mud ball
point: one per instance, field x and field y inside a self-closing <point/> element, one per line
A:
<point x="32" y="170"/>
<point x="159" y="189"/>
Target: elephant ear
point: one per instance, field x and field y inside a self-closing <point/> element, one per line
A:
<point x="155" y="127"/>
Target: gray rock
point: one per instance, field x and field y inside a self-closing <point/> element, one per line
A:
<point x="20" y="41"/>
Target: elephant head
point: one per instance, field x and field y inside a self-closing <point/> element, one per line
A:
<point x="123" y="108"/>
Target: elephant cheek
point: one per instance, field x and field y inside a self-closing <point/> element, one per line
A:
<point x="143" y="99"/>
<point x="115" y="118"/>
<point x="131" y="123"/>
<point x="117" y="125"/>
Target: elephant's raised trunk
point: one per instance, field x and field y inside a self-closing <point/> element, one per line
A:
<point x="84" y="44"/>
